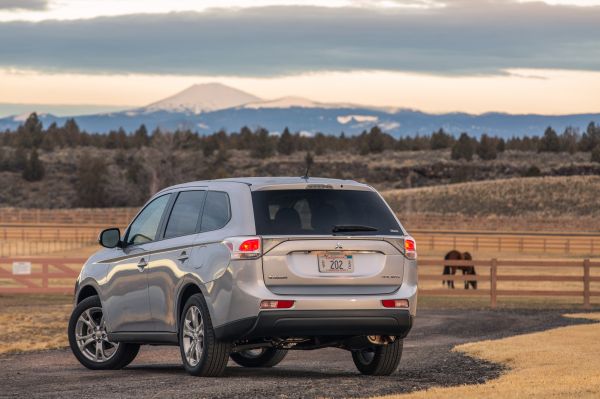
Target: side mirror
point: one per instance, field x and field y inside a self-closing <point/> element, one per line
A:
<point x="110" y="238"/>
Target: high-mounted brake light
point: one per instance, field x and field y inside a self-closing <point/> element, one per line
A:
<point x="244" y="247"/>
<point x="273" y="304"/>
<point x="410" y="248"/>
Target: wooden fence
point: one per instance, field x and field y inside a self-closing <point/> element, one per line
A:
<point x="502" y="242"/>
<point x="496" y="267"/>
<point x="57" y="275"/>
<point x="105" y="216"/>
<point x="46" y="276"/>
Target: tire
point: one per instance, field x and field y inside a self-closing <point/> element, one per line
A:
<point x="268" y="357"/>
<point x="378" y="360"/>
<point x="87" y="333"/>
<point x="201" y="353"/>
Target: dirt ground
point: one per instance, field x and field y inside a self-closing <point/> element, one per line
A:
<point x="429" y="361"/>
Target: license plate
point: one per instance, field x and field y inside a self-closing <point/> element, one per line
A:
<point x="335" y="263"/>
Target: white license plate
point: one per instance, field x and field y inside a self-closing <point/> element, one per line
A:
<point x="336" y="263"/>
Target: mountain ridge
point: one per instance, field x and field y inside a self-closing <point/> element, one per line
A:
<point x="209" y="107"/>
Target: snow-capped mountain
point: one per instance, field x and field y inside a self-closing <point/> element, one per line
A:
<point x="207" y="108"/>
<point x="203" y="98"/>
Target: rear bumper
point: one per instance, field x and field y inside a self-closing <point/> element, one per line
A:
<point x="310" y="323"/>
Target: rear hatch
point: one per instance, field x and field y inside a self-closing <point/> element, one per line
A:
<point x="328" y="242"/>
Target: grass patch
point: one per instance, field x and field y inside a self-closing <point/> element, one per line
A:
<point x="558" y="363"/>
<point x="33" y="322"/>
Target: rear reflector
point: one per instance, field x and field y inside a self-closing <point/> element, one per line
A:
<point x="269" y="304"/>
<point x="395" y="303"/>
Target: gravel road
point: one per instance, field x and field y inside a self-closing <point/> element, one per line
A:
<point x="157" y="372"/>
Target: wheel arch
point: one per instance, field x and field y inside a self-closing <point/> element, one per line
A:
<point x="87" y="290"/>
<point x="188" y="289"/>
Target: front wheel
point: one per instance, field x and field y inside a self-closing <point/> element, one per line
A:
<point x="202" y="354"/>
<point x="263" y="357"/>
<point x="89" y="342"/>
<point x="378" y="360"/>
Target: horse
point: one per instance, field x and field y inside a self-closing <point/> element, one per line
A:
<point x="451" y="270"/>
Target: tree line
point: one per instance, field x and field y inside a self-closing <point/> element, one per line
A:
<point x="19" y="148"/>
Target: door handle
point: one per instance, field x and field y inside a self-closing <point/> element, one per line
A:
<point x="142" y="264"/>
<point x="183" y="257"/>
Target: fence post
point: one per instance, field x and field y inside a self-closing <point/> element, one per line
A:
<point x="586" y="283"/>
<point x="493" y="282"/>
<point x="45" y="275"/>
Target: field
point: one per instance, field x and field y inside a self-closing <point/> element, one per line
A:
<point x="559" y="203"/>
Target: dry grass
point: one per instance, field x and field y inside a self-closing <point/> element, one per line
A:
<point x="30" y="323"/>
<point x="551" y="196"/>
<point x="559" y="363"/>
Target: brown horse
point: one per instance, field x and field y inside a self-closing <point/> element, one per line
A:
<point x="451" y="270"/>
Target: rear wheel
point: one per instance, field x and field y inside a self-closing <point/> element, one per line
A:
<point x="263" y="357"/>
<point x="379" y="359"/>
<point x="202" y="354"/>
<point x="89" y="342"/>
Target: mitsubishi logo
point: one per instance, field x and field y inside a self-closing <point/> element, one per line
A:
<point x="338" y="246"/>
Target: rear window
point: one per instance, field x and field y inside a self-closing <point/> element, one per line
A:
<point x="307" y="212"/>
<point x="216" y="211"/>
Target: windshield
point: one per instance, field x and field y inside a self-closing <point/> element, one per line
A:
<point x="322" y="212"/>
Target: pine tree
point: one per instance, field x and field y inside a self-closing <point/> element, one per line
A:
<point x="440" y="140"/>
<point x="263" y="144"/>
<point x="486" y="149"/>
<point x="91" y="182"/>
<point x="140" y="137"/>
<point x="286" y="145"/>
<point x="30" y="133"/>
<point x="34" y="170"/>
<point x="463" y="148"/>
<point x="549" y="142"/>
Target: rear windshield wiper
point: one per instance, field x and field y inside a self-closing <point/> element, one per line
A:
<point x="352" y="227"/>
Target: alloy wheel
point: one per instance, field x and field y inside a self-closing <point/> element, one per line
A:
<point x="92" y="338"/>
<point x="193" y="335"/>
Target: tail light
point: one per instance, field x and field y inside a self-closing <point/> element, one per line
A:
<point x="273" y="304"/>
<point x="244" y="247"/>
<point x="395" y="303"/>
<point x="410" y="248"/>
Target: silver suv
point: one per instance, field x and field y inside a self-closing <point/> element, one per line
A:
<point x="248" y="269"/>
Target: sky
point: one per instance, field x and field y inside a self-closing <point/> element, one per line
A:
<point x="74" y="56"/>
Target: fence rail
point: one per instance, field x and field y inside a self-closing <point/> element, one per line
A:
<point x="530" y="243"/>
<point x="56" y="275"/>
<point x="495" y="265"/>
<point x="46" y="276"/>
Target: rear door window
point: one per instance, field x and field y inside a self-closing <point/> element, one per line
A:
<point x="185" y="215"/>
<point x="217" y="211"/>
<point x="306" y="212"/>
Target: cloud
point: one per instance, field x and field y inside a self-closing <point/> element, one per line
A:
<point x="23" y="4"/>
<point x="465" y="37"/>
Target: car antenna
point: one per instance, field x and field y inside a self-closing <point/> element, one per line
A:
<point x="305" y="177"/>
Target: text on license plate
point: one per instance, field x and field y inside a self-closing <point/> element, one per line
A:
<point x="334" y="263"/>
